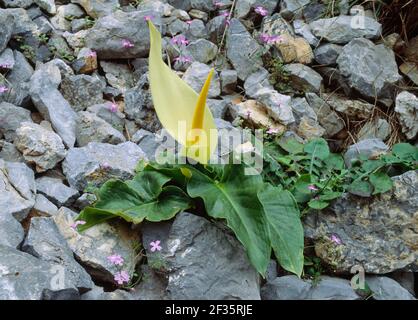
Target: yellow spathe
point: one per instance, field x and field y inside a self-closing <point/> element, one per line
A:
<point x="181" y="111"/>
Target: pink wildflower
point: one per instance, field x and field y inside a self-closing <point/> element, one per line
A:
<point x="148" y="18"/>
<point x="311" y="187"/>
<point x="179" y="40"/>
<point x="218" y="4"/>
<point x="121" y="277"/>
<point x="183" y="59"/>
<point x="189" y="22"/>
<point x="248" y="113"/>
<point x="336" y="239"/>
<point x="3" y="89"/>
<point x="264" y="37"/>
<point x="92" y="54"/>
<point x="224" y="14"/>
<point x="4" y="65"/>
<point x="228" y="22"/>
<point x="105" y="166"/>
<point x="272" y="131"/>
<point x="113" y="107"/>
<point x="155" y="246"/>
<point x="77" y="223"/>
<point x="261" y="11"/>
<point x="127" y="44"/>
<point x="115" y="259"/>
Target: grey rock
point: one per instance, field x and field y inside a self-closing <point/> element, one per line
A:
<point x="16" y="3"/>
<point x="407" y="110"/>
<point x="241" y="50"/>
<point x="196" y="75"/>
<point x="217" y="107"/>
<point x="327" y="53"/>
<point x="9" y="152"/>
<point x="152" y="286"/>
<point x="98" y="293"/>
<point x="195" y="274"/>
<point x="91" y="128"/>
<point x="24" y="277"/>
<point x="152" y="232"/>
<point x="85" y="200"/>
<point x="139" y="106"/>
<point x="301" y="108"/>
<point x="108" y="33"/>
<point x="7" y="21"/>
<point x="56" y="191"/>
<point x="377" y="128"/>
<point x="60" y="21"/>
<point x="385" y="288"/>
<point x="11" y="118"/>
<point x="47" y="5"/>
<point x="45" y="242"/>
<point x="369" y="69"/>
<point x="216" y="28"/>
<point x="198" y="14"/>
<point x="293" y="288"/>
<point x="118" y="75"/>
<point x="256" y="81"/>
<point x="228" y="81"/>
<point x="51" y="104"/>
<point x="354" y="109"/>
<point x="304" y="30"/>
<point x="40" y="146"/>
<point x="309" y="128"/>
<point x="369" y="230"/>
<point x="12" y="233"/>
<point x="93" y="246"/>
<point x="98" y="162"/>
<point x="103" y="111"/>
<point x="43" y="25"/>
<point x="177" y="27"/>
<point x="277" y="105"/>
<point x="303" y="78"/>
<point x="201" y="50"/>
<point x="98" y="8"/>
<point x="343" y="29"/>
<point x="197" y="30"/>
<point x="152" y="144"/>
<point x="43" y="206"/>
<point x="7" y="60"/>
<point x="82" y="91"/>
<point x="314" y="11"/>
<point x="334" y="80"/>
<point x="370" y="148"/>
<point x="405" y="279"/>
<point x="22" y="22"/>
<point x="292" y="8"/>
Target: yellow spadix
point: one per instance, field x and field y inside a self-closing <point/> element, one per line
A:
<point x="181" y="111"/>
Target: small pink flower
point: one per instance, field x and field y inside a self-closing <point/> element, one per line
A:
<point x="155" y="246"/>
<point x="265" y="38"/>
<point x="228" y="22"/>
<point x="115" y="259"/>
<point x="272" y="131"/>
<point x="218" y="4"/>
<point x="179" y="40"/>
<point x="183" y="59"/>
<point x="261" y="11"/>
<point x="3" y="89"/>
<point x="113" y="107"/>
<point x="76" y="224"/>
<point x="127" y="44"/>
<point x="189" y="22"/>
<point x="4" y="65"/>
<point x="248" y="113"/>
<point x="92" y="54"/>
<point x="311" y="187"/>
<point x="121" y="277"/>
<point x="224" y="14"/>
<point x="105" y="166"/>
<point x="336" y="239"/>
<point x="148" y="18"/>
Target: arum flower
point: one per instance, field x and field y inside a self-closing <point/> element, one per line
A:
<point x="77" y="223"/>
<point x="155" y="246"/>
<point x="3" y="89"/>
<point x="181" y="111"/>
<point x="115" y="259"/>
<point x="261" y="11"/>
<point x="127" y="44"/>
<point x="122" y="277"/>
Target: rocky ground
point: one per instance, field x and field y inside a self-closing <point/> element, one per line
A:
<point x="75" y="111"/>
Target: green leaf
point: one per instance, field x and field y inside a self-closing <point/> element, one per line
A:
<point x="381" y="182"/>
<point x="234" y="198"/>
<point x="301" y="190"/>
<point x="318" y="148"/>
<point x="330" y="195"/>
<point x="335" y="161"/>
<point x="116" y="195"/>
<point x="148" y="184"/>
<point x="360" y="188"/>
<point x="318" y="204"/>
<point x="291" y="145"/>
<point x="285" y="227"/>
<point x="405" y="151"/>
